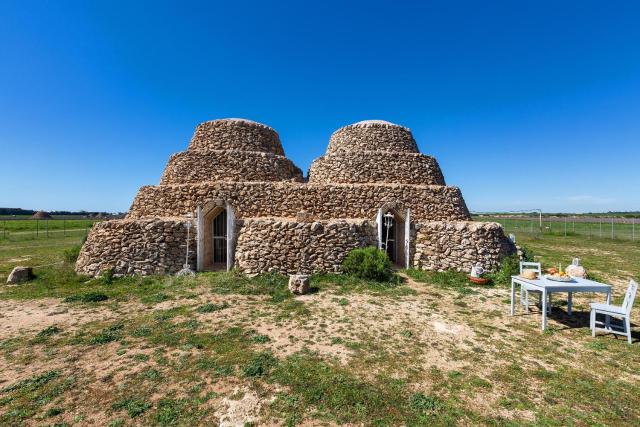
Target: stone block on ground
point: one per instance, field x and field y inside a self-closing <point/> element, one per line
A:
<point x="299" y="284"/>
<point x="20" y="274"/>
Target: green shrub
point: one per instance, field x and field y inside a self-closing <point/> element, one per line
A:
<point x="108" y="276"/>
<point x="368" y="263"/>
<point x="510" y="266"/>
<point x="71" y="255"/>
<point x="527" y="254"/>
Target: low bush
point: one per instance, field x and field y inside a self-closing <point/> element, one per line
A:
<point x="368" y="263"/>
<point x="510" y="266"/>
<point x="71" y="255"/>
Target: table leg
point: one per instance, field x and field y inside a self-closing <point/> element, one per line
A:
<point x="513" y="297"/>
<point x="609" y="297"/>
<point x="544" y="309"/>
<point x="569" y="303"/>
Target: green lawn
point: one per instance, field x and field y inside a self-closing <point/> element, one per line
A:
<point x="430" y="350"/>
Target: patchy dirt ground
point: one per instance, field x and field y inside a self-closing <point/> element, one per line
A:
<point x="201" y="356"/>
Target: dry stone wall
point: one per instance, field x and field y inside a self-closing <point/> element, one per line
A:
<point x="144" y="246"/>
<point x="236" y="134"/>
<point x="289" y="247"/>
<point x="228" y="165"/>
<point x="458" y="245"/>
<point x="284" y="199"/>
<point x="376" y="167"/>
<point x="374" y="135"/>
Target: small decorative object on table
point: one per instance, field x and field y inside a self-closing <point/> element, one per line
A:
<point x="576" y="270"/>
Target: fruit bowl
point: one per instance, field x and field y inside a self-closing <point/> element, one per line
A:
<point x="558" y="278"/>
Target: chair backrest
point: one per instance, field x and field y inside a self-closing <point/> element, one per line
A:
<point x="629" y="296"/>
<point x="530" y="266"/>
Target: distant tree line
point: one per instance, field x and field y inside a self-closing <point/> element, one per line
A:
<point x="20" y="211"/>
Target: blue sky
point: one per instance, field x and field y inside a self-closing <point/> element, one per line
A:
<point x="524" y="104"/>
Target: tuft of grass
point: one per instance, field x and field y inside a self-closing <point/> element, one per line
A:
<point x="259" y="365"/>
<point x="87" y="298"/>
<point x="71" y="255"/>
<point x="45" y="334"/>
<point x="134" y="406"/>
<point x="107" y="335"/>
<point x="260" y="339"/>
<point x="211" y="307"/>
<point x="53" y="412"/>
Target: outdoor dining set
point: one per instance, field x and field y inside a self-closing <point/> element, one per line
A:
<point x="544" y="286"/>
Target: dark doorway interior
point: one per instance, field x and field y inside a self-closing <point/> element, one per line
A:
<point x="219" y="239"/>
<point x="389" y="236"/>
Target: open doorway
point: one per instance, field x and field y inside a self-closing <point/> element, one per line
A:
<point x="215" y="237"/>
<point x="393" y="234"/>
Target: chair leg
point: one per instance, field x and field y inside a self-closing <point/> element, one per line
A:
<point x="593" y="323"/>
<point x="627" y="327"/>
<point x="549" y="304"/>
<point x="526" y="299"/>
<point x="607" y="322"/>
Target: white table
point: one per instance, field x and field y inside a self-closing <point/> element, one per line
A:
<point x="547" y="287"/>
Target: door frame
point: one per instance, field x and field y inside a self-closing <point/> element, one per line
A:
<point x="204" y="211"/>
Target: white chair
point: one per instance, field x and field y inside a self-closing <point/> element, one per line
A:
<point x="622" y="312"/>
<point x="524" y="290"/>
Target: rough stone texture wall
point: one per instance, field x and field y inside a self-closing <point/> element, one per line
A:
<point x="375" y="166"/>
<point x="289" y="247"/>
<point x="146" y="246"/>
<point x="228" y="165"/>
<point x="236" y="134"/>
<point x="372" y="135"/>
<point x="457" y="245"/>
<point x="286" y="199"/>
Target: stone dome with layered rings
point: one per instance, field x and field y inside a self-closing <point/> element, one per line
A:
<point x="375" y="151"/>
<point x="231" y="150"/>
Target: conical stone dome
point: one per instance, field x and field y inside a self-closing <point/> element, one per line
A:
<point x="235" y="150"/>
<point x="375" y="151"/>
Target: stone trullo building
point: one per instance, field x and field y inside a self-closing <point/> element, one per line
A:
<point x="251" y="208"/>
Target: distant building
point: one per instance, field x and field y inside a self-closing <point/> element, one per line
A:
<point x="41" y="215"/>
<point x="251" y="208"/>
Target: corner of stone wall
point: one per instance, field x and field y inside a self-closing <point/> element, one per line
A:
<point x="136" y="246"/>
<point x="457" y="245"/>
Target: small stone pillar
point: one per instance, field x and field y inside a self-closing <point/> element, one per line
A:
<point x="299" y="284"/>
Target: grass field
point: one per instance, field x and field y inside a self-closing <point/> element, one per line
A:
<point x="571" y="227"/>
<point x="221" y="347"/>
<point x="30" y="229"/>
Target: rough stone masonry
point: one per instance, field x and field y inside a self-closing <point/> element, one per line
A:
<point x="245" y="205"/>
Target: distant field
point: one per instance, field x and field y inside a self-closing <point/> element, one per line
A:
<point x="29" y="229"/>
<point x="571" y="227"/>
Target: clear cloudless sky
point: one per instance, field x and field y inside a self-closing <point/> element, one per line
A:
<point x="525" y="104"/>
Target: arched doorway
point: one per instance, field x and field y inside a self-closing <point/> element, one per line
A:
<point x="218" y="241"/>
<point x="394" y="234"/>
<point x="216" y="232"/>
<point x="390" y="236"/>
